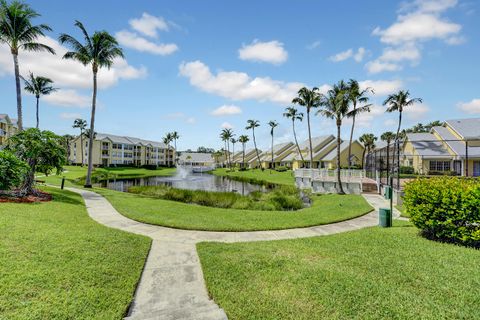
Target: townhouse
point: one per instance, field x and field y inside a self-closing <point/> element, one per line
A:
<point x="450" y="149"/>
<point x="112" y="150"/>
<point x="8" y="127"/>
<point x="195" y="159"/>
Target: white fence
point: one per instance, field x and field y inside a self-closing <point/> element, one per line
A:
<point x="330" y="175"/>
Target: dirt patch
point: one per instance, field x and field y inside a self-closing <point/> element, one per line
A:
<point x="13" y="197"/>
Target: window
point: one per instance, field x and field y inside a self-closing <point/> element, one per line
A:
<point x="439" y="165"/>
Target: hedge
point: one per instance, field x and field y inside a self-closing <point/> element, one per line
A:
<point x="445" y="208"/>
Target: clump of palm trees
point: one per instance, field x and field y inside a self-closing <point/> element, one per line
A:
<point x="167" y="140"/>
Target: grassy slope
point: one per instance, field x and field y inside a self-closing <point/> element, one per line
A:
<point x="403" y="211"/>
<point x="368" y="274"/>
<point x="57" y="263"/>
<point x="74" y="172"/>
<point x="326" y="209"/>
<point x="285" y="177"/>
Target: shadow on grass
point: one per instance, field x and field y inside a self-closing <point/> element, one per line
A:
<point x="66" y="197"/>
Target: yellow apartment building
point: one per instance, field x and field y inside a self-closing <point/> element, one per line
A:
<point x="8" y="127"/>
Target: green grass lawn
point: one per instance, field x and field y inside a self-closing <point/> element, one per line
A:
<point x="403" y="211"/>
<point x="57" y="263"/>
<point x="258" y="176"/>
<point x="325" y="209"/>
<point x="372" y="273"/>
<point x="72" y="173"/>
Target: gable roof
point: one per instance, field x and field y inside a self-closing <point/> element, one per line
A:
<point x="129" y="140"/>
<point x="427" y="145"/>
<point x="466" y="128"/>
<point x="456" y="145"/>
<point x="333" y="154"/>
<point x="195" y="157"/>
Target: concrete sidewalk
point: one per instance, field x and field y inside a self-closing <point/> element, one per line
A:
<point x="172" y="284"/>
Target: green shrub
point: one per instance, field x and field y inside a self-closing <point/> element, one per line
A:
<point x="445" y="208"/>
<point x="442" y="173"/>
<point x="407" y="170"/>
<point x="12" y="170"/>
<point x="281" y="169"/>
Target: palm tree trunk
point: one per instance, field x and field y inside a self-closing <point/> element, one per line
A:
<point x="233" y="154"/>
<point x="27" y="186"/>
<point x="19" y="92"/>
<point x="88" y="180"/>
<point x="271" y="162"/>
<point x="351" y="136"/>
<point x="339" y="180"/>
<point x="38" y="118"/>
<point x="243" y="156"/>
<point x="396" y="151"/>
<point x="296" y="142"/>
<point x="175" y="151"/>
<point x="81" y="145"/>
<point x="310" y="138"/>
<point x="256" y="150"/>
<point x="388" y="160"/>
<point x="363" y="158"/>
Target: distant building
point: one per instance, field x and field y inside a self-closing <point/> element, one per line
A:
<point x="196" y="159"/>
<point x="111" y="150"/>
<point x="8" y="127"/>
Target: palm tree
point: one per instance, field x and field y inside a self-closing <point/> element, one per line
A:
<point x="292" y="113"/>
<point x="80" y="124"/>
<point x="38" y="86"/>
<point x="335" y="105"/>
<point x="175" y="137"/>
<point x="273" y="125"/>
<point x="252" y="124"/>
<point x="100" y="50"/>
<point x="243" y="139"/>
<point x="388" y="138"/>
<point x="308" y="99"/>
<point x="233" y="141"/>
<point x="17" y="31"/>
<point x="398" y="102"/>
<point x="368" y="141"/>
<point x="226" y="135"/>
<point x="356" y="96"/>
<point x="167" y="140"/>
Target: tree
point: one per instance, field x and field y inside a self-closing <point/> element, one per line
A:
<point x="80" y="124"/>
<point x="398" y="102"/>
<point x="292" y="113"/>
<point x="356" y="96"/>
<point x="226" y="135"/>
<point x="243" y="139"/>
<point x="38" y="86"/>
<point x="41" y="150"/>
<point x="335" y="105"/>
<point x="99" y="50"/>
<point x="87" y="133"/>
<point x="233" y="141"/>
<point x="175" y="137"/>
<point x="12" y="170"/>
<point x="66" y="141"/>
<point x="388" y="138"/>
<point x="252" y="124"/>
<point x="167" y="140"/>
<point x="273" y="125"/>
<point x="368" y="141"/>
<point x="18" y="32"/>
<point x="308" y="99"/>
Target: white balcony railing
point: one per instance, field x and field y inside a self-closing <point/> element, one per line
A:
<point x="327" y="174"/>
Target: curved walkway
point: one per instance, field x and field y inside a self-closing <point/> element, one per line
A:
<point x="172" y="285"/>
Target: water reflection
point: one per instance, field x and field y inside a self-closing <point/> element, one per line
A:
<point x="191" y="181"/>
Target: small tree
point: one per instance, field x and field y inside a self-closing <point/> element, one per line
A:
<point x="41" y="150"/>
<point x="12" y="170"/>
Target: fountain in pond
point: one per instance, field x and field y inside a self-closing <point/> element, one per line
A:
<point x="182" y="172"/>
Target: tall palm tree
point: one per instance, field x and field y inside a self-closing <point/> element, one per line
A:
<point x="356" y="96"/>
<point x="398" y="102"/>
<point x="80" y="124"/>
<point x="368" y="141"/>
<point x="233" y="141"/>
<point x="18" y="32"/>
<point x="388" y="138"/>
<point x="38" y="86"/>
<point x="252" y="124"/>
<point x="99" y="50"/>
<point x="292" y="113"/>
<point x="335" y="105"/>
<point x="243" y="139"/>
<point x="175" y="137"/>
<point x="167" y="140"/>
<point x="308" y="99"/>
<point x="273" y="125"/>
<point x="226" y="135"/>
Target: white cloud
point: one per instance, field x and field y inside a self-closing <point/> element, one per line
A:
<point x="238" y="85"/>
<point x="344" y="55"/>
<point x="429" y="6"/>
<point x="191" y="120"/>
<point x="377" y="66"/>
<point x="70" y="116"/>
<point x="382" y="87"/>
<point x="67" y="73"/>
<point x="181" y="116"/>
<point x="456" y="40"/>
<point x="68" y="98"/>
<point x="148" y="25"/>
<point x="271" y="52"/>
<point x="390" y="123"/>
<point x="417" y="111"/>
<point x="472" y="107"/>
<point x="133" y="41"/>
<point x="226" y="110"/>
<point x="315" y="44"/>
<point x="324" y="88"/>
<point x="396" y="54"/>
<point x="226" y="125"/>
<point x="365" y="119"/>
<point x="361" y="52"/>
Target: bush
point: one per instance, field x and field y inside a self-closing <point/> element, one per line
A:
<point x="442" y="173"/>
<point x="12" y="170"/>
<point x="281" y="169"/>
<point x="150" y="167"/>
<point x="407" y="170"/>
<point x="445" y="208"/>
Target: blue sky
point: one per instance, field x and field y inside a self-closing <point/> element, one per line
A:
<point x="195" y="66"/>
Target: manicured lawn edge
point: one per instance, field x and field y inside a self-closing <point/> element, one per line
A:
<point x="269" y="179"/>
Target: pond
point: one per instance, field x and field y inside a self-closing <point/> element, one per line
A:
<point x="186" y="179"/>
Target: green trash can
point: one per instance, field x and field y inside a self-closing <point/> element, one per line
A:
<point x="385" y="218"/>
<point x="387" y="192"/>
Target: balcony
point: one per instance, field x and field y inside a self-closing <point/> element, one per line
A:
<point x="105" y="148"/>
